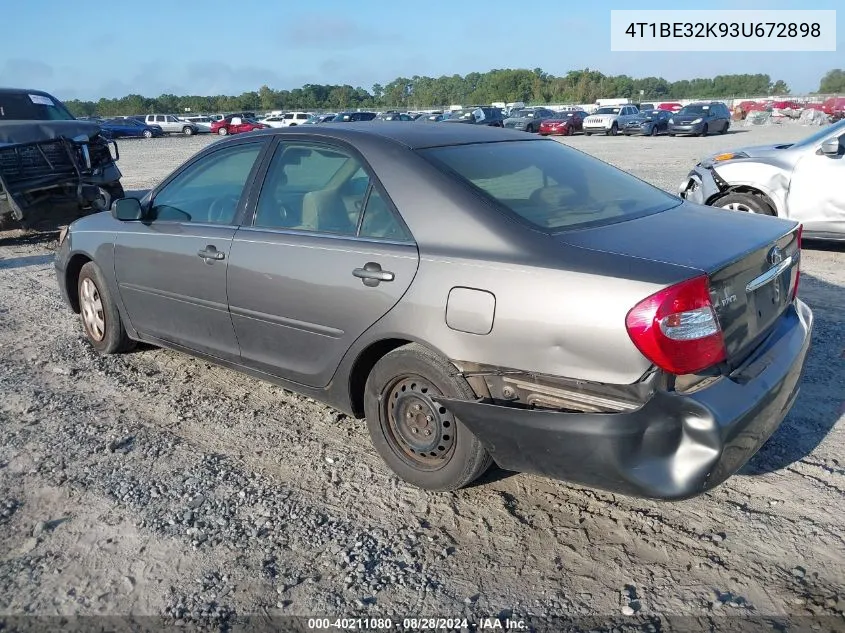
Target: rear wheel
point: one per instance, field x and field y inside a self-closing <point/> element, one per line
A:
<point x="100" y="318"/>
<point x="746" y="202"/>
<point x="187" y="131"/>
<point x="222" y="131"/>
<point x="418" y="439"/>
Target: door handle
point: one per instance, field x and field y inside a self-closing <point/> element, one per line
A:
<point x="210" y="253"/>
<point x="372" y="274"/>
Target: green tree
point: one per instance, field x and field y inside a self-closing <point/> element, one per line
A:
<point x="833" y="82"/>
<point x="779" y="88"/>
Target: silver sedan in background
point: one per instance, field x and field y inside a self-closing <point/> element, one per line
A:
<point x="801" y="181"/>
<point x="478" y="294"/>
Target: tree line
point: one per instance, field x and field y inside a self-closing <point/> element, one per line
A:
<point x="508" y="85"/>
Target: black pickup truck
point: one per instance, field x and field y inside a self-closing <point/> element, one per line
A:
<point x="51" y="163"/>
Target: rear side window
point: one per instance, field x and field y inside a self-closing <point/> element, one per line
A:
<point x="549" y="185"/>
<point x="18" y="106"/>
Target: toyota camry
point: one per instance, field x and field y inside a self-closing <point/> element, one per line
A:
<point x="477" y="294"/>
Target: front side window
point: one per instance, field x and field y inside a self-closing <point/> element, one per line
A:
<point x="549" y="185"/>
<point x="209" y="190"/>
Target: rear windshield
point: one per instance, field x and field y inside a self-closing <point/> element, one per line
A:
<point x="21" y="106"/>
<point x="550" y="185"/>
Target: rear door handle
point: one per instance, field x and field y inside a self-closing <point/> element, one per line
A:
<point x="210" y="253"/>
<point x="372" y="274"/>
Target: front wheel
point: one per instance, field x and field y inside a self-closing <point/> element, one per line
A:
<point x="614" y="130"/>
<point x="704" y="130"/>
<point x="417" y="438"/>
<point x="148" y="133"/>
<point x="101" y="320"/>
<point x="654" y="130"/>
<point x="745" y="202"/>
<point x="588" y="133"/>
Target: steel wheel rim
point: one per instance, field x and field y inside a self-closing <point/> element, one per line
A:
<point x="737" y="206"/>
<point x="91" y="306"/>
<point x="419" y="431"/>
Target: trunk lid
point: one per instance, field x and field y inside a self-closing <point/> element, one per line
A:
<point x="751" y="260"/>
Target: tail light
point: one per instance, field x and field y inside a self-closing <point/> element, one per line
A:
<point x="677" y="328"/>
<point x="798" y="265"/>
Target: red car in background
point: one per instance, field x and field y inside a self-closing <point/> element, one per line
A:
<point x="672" y="107"/>
<point x="834" y="106"/>
<point x="235" y="125"/>
<point x="565" y="123"/>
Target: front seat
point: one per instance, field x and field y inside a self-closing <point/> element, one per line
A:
<point x="324" y="211"/>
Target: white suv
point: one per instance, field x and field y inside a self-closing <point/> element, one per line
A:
<point x="292" y="118"/>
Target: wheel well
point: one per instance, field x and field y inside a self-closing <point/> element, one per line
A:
<point x="746" y="190"/>
<point x="72" y="279"/>
<point x="362" y="367"/>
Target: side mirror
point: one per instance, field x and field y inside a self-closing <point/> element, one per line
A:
<point x="831" y="147"/>
<point x="127" y="209"/>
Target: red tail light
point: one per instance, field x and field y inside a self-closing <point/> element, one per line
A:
<point x="798" y="265"/>
<point x="677" y="328"/>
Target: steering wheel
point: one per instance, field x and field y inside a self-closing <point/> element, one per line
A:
<point x="222" y="209"/>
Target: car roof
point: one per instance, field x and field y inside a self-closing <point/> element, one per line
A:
<point x="411" y="136"/>
<point x="23" y="91"/>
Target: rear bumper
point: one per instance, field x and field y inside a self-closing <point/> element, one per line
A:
<point x="675" y="446"/>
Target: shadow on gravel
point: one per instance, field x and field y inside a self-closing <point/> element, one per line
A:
<point x="820" y="403"/>
<point x="30" y="238"/>
<point x="23" y="262"/>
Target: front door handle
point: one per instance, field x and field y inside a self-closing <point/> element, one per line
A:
<point x="372" y="274"/>
<point x="210" y="253"/>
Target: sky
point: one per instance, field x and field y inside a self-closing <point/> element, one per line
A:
<point x="172" y="46"/>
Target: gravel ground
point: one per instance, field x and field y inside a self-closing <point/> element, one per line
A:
<point x="155" y="484"/>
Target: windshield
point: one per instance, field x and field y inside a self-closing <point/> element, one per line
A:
<point x="694" y="109"/>
<point x="608" y="111"/>
<point x="32" y="107"/>
<point x="823" y="133"/>
<point x="549" y="185"/>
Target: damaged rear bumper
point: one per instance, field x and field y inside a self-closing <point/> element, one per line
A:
<point x="675" y="446"/>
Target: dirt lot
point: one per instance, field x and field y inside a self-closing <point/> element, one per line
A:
<point x="155" y="484"/>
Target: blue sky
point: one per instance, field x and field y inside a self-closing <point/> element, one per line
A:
<point x="159" y="46"/>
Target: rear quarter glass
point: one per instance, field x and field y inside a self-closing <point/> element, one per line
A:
<point x="548" y="185"/>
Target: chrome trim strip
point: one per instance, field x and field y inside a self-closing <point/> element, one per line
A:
<point x="770" y="275"/>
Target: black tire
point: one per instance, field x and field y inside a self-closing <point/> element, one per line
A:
<point x="188" y="131"/>
<point x="725" y="129"/>
<point x="148" y="133"/>
<point x="588" y="133"/>
<point x="671" y="134"/>
<point x="222" y="131"/>
<point x="743" y="202"/>
<point x="403" y="381"/>
<point x="705" y="130"/>
<point x="530" y="129"/>
<point x="113" y="337"/>
<point x="614" y="129"/>
<point x="654" y="131"/>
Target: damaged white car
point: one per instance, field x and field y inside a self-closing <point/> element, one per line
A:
<point x="801" y="181"/>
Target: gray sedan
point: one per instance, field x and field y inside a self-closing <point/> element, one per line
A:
<point x="478" y="295"/>
<point x="529" y="119"/>
<point x="800" y="181"/>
